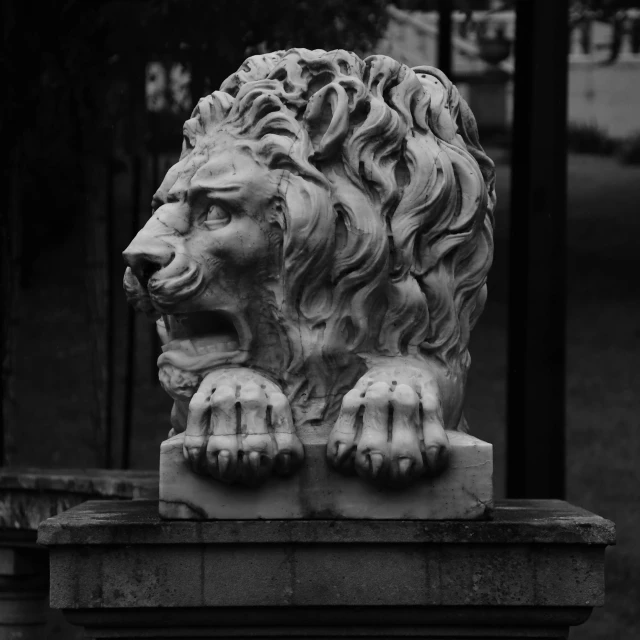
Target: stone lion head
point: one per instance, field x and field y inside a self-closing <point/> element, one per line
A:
<point x="325" y="209"/>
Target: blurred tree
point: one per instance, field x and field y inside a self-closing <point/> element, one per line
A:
<point x="66" y="65"/>
<point x="433" y="5"/>
<point x="74" y="76"/>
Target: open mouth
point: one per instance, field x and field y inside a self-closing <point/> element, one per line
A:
<point x="202" y="338"/>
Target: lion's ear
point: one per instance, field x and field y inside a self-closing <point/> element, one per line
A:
<point x="327" y="120"/>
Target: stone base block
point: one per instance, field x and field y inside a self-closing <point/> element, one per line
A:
<point x="463" y="492"/>
<point x="28" y="496"/>
<point x="532" y="571"/>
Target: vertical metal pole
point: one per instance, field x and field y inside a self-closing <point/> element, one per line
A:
<point x="155" y="339"/>
<point x="139" y="127"/>
<point x="130" y="336"/>
<point x="537" y="253"/>
<point x="444" y="37"/>
<point x="110" y="316"/>
<point x="10" y="272"/>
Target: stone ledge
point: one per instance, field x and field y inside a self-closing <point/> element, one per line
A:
<point x="114" y="483"/>
<point x="29" y="496"/>
<point x="513" y="522"/>
<point x="120" y="571"/>
<point x="463" y="492"/>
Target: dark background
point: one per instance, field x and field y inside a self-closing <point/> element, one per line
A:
<point x="87" y="135"/>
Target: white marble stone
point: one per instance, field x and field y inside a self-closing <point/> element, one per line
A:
<point x="315" y="263"/>
<point x="462" y="492"/>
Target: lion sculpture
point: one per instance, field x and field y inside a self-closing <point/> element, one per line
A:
<point x="316" y="261"/>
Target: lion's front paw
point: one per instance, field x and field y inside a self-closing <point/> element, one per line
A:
<point x="389" y="432"/>
<point x="240" y="429"/>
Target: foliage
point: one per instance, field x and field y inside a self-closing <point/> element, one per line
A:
<point x="434" y="5"/>
<point x="73" y="82"/>
<point x="605" y="8"/>
<point x="629" y="149"/>
<point x="76" y="43"/>
<point x="588" y="137"/>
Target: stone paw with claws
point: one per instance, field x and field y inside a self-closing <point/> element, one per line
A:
<point x="390" y="430"/>
<point x="240" y="429"/>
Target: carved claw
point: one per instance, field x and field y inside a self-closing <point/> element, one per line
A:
<point x="436" y="458"/>
<point x="376" y="460"/>
<point x="283" y="464"/>
<point x="344" y="454"/>
<point x="436" y="446"/>
<point x="223" y="462"/>
<point x="389" y="431"/>
<point x="240" y="428"/>
<point x="254" y="461"/>
<point x="404" y="466"/>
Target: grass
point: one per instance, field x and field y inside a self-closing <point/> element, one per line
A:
<point x="629" y="149"/>
<point x="589" y="137"/>
<point x="55" y="394"/>
<point x="603" y="351"/>
<point x="593" y="139"/>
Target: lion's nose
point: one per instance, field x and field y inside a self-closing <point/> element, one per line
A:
<point x="146" y="257"/>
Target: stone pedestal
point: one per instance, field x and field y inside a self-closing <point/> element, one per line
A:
<point x="463" y="492"/>
<point x="27" y="497"/>
<point x="533" y="571"/>
<point x="24" y="583"/>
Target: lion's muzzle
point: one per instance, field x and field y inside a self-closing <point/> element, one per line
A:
<point x="159" y="273"/>
<point x="147" y="255"/>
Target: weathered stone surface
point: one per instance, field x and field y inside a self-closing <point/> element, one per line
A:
<point x="29" y="496"/>
<point x="23" y="591"/>
<point x="121" y="571"/>
<point x="514" y="522"/>
<point x="105" y="483"/>
<point x="380" y="574"/>
<point x="463" y="491"/>
<point x="315" y="262"/>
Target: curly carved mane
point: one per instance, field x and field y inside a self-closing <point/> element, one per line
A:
<point x="387" y="239"/>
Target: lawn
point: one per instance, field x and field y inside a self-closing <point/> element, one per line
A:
<point x="603" y="355"/>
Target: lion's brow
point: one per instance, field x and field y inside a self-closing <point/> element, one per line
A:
<point x="213" y="187"/>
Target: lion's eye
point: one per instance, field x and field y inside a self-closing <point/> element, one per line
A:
<point x="216" y="217"/>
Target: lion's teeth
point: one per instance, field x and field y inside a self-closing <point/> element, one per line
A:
<point x="186" y="346"/>
<point x="201" y="346"/>
<point x="216" y="347"/>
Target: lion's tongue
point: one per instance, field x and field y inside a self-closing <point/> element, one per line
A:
<point x="201" y="345"/>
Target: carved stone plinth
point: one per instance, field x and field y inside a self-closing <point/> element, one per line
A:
<point x="464" y="491"/>
<point x="533" y="571"/>
<point x="27" y="497"/>
<point x="23" y="588"/>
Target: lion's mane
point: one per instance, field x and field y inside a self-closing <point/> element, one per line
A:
<point x="387" y="241"/>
